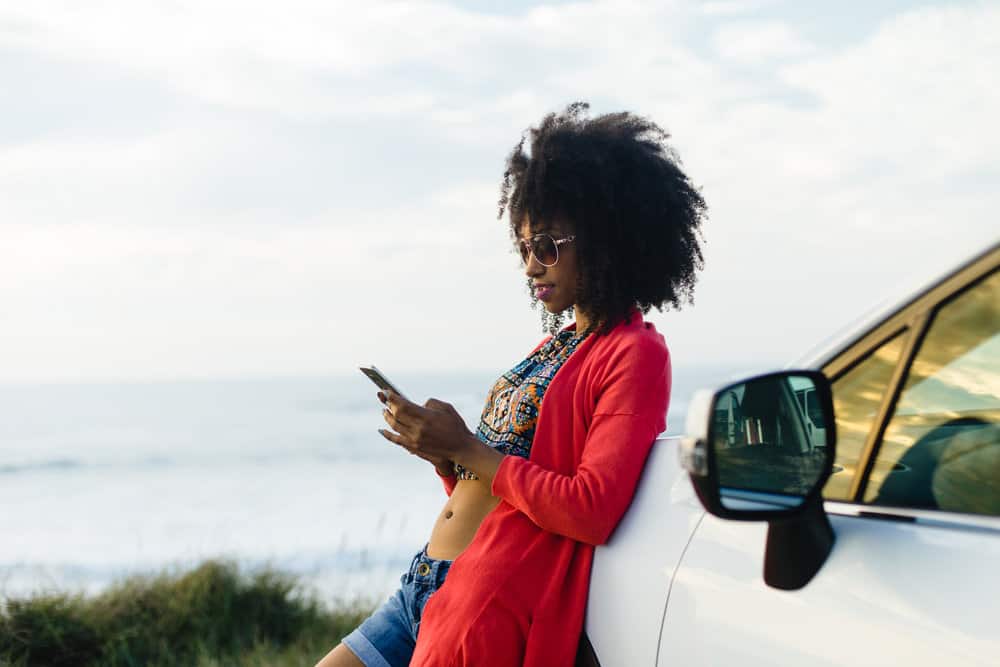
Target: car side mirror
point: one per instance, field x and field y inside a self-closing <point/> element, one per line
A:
<point x="755" y="454"/>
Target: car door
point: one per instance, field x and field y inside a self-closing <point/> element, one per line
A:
<point x="914" y="502"/>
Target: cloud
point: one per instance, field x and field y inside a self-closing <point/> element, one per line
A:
<point x="324" y="184"/>
<point x="307" y="59"/>
<point x="732" y="7"/>
<point x="236" y="297"/>
<point x="755" y="43"/>
<point x="919" y="93"/>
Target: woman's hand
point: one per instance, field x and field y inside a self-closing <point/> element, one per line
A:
<point x="436" y="432"/>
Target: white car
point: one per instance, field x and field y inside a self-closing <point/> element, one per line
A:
<point x="751" y="543"/>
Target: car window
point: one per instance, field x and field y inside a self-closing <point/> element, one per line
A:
<point x="941" y="450"/>
<point x="857" y="396"/>
<point x="813" y="408"/>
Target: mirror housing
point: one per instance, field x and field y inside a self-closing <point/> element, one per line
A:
<point x="755" y="453"/>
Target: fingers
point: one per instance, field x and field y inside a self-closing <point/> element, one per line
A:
<point x="409" y="420"/>
<point x="397" y="424"/>
<point x="415" y="435"/>
<point x="406" y="409"/>
<point x="443" y="465"/>
<point x="397" y="439"/>
<point x="398" y="412"/>
<point x="395" y="405"/>
<point x="399" y="406"/>
<point x="429" y="431"/>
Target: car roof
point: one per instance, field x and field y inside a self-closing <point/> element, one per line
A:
<point x="898" y="298"/>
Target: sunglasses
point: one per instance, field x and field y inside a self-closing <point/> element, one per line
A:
<point x="542" y="247"/>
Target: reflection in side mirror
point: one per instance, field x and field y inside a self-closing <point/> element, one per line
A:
<point x="761" y="450"/>
<point x="765" y="442"/>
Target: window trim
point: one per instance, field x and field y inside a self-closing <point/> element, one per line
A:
<point x="922" y="517"/>
<point x="873" y="443"/>
<point x="857" y="358"/>
<point x="912" y="320"/>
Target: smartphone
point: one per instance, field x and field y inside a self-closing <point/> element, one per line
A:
<point x="380" y="380"/>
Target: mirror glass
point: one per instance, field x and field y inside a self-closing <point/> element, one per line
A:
<point x="770" y="440"/>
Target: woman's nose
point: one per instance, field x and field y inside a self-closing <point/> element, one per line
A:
<point x="533" y="267"/>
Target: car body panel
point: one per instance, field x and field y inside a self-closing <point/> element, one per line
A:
<point x="900" y="586"/>
<point x="630" y="579"/>
<point x="891" y="592"/>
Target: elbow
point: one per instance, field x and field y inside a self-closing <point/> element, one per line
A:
<point x="600" y="516"/>
<point x="593" y="540"/>
<point x="595" y="533"/>
<point x="601" y="521"/>
<point x="594" y="520"/>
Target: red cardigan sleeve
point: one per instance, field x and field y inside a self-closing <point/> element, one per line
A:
<point x="449" y="482"/>
<point x="630" y="413"/>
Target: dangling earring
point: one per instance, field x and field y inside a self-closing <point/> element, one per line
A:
<point x="531" y="295"/>
<point x="555" y="322"/>
<point x="546" y="317"/>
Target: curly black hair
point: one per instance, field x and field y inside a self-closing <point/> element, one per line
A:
<point x="619" y="185"/>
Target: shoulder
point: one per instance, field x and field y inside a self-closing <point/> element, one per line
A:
<point x="635" y="341"/>
<point x="629" y="372"/>
<point x="633" y="354"/>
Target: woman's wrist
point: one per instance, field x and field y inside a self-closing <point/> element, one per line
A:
<point x="480" y="458"/>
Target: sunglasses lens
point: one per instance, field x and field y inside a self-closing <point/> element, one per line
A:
<point x="545" y="250"/>
<point x="542" y="247"/>
<point x="525" y="249"/>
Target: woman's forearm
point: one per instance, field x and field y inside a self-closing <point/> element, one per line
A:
<point x="480" y="458"/>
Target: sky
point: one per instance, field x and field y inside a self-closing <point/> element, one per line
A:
<point x="202" y="189"/>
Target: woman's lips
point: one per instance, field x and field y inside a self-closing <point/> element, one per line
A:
<point x="543" y="292"/>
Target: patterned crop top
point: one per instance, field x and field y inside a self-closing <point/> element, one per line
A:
<point x="511" y="410"/>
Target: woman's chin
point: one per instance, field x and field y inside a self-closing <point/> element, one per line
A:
<point x="554" y="308"/>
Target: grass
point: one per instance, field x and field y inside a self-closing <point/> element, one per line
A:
<point x="212" y="616"/>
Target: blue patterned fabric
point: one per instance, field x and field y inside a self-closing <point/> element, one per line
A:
<point x="511" y="411"/>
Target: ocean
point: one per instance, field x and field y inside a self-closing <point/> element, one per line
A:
<point x="106" y="480"/>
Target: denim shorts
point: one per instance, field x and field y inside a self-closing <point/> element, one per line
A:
<point x="387" y="637"/>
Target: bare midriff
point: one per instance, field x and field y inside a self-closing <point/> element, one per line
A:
<point x="456" y="525"/>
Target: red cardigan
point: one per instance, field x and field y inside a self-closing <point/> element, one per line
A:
<point x="517" y="594"/>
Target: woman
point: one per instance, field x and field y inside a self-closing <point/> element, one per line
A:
<point x="608" y="226"/>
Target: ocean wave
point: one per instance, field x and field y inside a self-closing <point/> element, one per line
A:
<point x="64" y="465"/>
<point x="55" y="464"/>
<point x="363" y="453"/>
